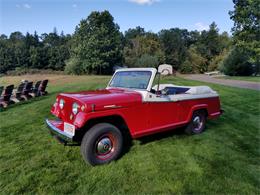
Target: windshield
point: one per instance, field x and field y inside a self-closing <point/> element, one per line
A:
<point x="131" y="79"/>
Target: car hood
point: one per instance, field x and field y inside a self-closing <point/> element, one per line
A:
<point x="105" y="98"/>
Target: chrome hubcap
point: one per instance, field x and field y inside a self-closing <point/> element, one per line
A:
<point x="104" y="146"/>
<point x="197" y="123"/>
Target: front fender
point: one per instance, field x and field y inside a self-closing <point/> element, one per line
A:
<point x="82" y="118"/>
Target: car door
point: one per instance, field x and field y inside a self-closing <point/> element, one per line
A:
<point x="162" y="112"/>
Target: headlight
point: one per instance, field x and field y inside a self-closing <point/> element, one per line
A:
<point x="61" y="104"/>
<point x="75" y="108"/>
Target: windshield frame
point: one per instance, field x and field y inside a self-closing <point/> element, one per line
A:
<point x="133" y="70"/>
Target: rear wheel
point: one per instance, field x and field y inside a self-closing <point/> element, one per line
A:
<point x="101" y="144"/>
<point x="197" y="123"/>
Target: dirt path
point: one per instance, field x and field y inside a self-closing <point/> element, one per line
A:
<point x="228" y="82"/>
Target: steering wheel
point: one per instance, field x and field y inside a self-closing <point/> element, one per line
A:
<point x="164" y="91"/>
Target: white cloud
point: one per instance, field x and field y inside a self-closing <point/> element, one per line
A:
<point x="144" y="2"/>
<point x="74" y="5"/>
<point x="27" y="6"/>
<point x="200" y="26"/>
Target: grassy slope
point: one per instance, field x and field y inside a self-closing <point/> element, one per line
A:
<point x="224" y="159"/>
<point x="242" y="78"/>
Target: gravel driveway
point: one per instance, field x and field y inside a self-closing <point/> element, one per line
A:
<point x="228" y="82"/>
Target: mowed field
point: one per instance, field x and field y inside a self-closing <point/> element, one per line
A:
<point x="223" y="159"/>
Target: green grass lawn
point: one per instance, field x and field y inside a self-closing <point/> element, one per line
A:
<point x="242" y="78"/>
<point x="224" y="159"/>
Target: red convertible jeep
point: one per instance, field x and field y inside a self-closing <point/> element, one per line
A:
<point x="130" y="105"/>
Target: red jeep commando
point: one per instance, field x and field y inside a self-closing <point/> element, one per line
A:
<point x="130" y="106"/>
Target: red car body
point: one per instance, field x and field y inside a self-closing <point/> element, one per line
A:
<point x="141" y="116"/>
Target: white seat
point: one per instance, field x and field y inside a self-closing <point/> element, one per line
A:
<point x="200" y="90"/>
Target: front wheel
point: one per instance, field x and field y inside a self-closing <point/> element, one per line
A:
<point x="197" y="123"/>
<point x="101" y="144"/>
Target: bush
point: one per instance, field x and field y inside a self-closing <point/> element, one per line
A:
<point x="217" y="61"/>
<point x="74" y="66"/>
<point x="186" y="67"/>
<point x="147" y="60"/>
<point x="237" y="63"/>
<point x="194" y="62"/>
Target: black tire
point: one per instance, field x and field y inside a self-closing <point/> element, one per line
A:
<point x="101" y="144"/>
<point x="197" y="123"/>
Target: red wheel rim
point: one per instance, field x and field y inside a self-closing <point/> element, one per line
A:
<point x="105" y="146"/>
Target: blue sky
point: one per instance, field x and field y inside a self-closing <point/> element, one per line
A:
<point x="153" y="15"/>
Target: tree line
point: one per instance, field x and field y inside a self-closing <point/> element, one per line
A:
<point x="97" y="46"/>
<point x="48" y="51"/>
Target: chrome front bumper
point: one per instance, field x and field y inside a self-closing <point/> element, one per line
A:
<point x="60" y="135"/>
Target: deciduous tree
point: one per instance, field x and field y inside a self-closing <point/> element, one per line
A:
<point x="97" y="43"/>
<point x="246" y="28"/>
